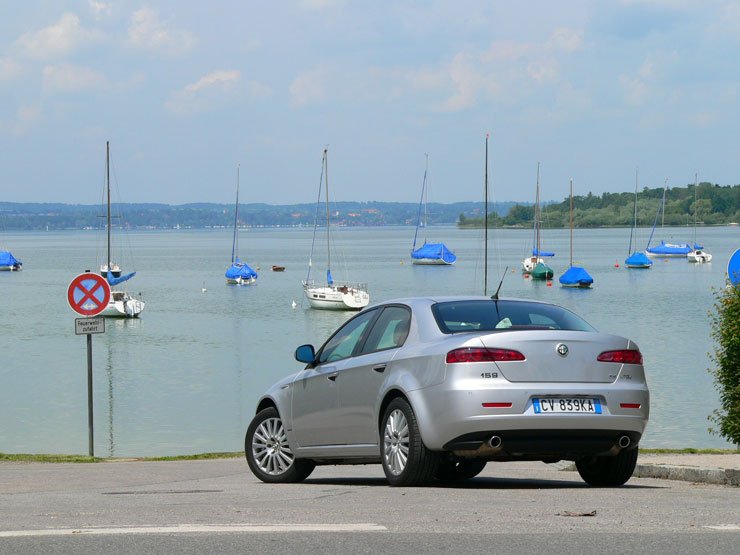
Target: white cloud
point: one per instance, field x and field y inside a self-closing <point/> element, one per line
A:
<point x="321" y="4"/>
<point x="70" y="78"/>
<point x="465" y="81"/>
<point x="59" y="39"/>
<point x="149" y="33"/>
<point x="566" y="40"/>
<point x="24" y="120"/>
<point x="211" y="91"/>
<point x="309" y="87"/>
<point x="9" y="69"/>
<point x="100" y="8"/>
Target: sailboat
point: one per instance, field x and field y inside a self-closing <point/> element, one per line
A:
<point x="9" y="263"/>
<point x="429" y="253"/>
<point x="666" y="249"/>
<point x="574" y="276"/>
<point x="239" y="273"/>
<point x="535" y="264"/>
<point x="638" y="260"/>
<point x="122" y="304"/>
<point x="697" y="254"/>
<point x="333" y="295"/>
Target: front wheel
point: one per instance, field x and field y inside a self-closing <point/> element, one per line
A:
<point x="406" y="460"/>
<point x="608" y="471"/>
<point x="268" y="453"/>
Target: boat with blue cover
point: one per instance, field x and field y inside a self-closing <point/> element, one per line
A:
<point x="636" y="260"/>
<point x="535" y="265"/>
<point x="574" y="276"/>
<point x="435" y="254"/>
<point x="9" y="263"/>
<point x="239" y="273"/>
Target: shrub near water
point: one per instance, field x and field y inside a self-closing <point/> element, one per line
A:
<point x="726" y="334"/>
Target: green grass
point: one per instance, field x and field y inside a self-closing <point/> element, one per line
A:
<point x="690" y="451"/>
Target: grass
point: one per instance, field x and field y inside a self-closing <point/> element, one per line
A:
<point x="4" y="457"/>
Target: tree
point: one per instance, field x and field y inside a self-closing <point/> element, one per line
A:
<point x="726" y="334"/>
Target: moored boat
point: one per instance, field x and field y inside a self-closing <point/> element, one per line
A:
<point x="9" y="263"/>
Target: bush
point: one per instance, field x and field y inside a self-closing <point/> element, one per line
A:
<point x="726" y="334"/>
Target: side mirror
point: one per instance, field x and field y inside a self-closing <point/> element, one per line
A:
<point x="305" y="353"/>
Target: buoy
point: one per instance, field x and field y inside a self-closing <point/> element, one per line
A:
<point x="549" y="284"/>
<point x="293" y="304"/>
<point x="203" y="289"/>
<point x="616" y="264"/>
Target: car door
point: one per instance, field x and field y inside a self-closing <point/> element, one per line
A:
<point x="315" y="400"/>
<point x="361" y="378"/>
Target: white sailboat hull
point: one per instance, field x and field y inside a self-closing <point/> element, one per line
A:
<point x="123" y="305"/>
<point x="241" y="281"/>
<point x="699" y="257"/>
<point x="430" y="262"/>
<point x="530" y="262"/>
<point x="337" y="296"/>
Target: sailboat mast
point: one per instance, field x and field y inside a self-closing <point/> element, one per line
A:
<point x="537" y="214"/>
<point x="634" y="219"/>
<point x="662" y="206"/>
<point x="328" y="241"/>
<point x="235" y="240"/>
<point x="485" y="223"/>
<point x="696" y="183"/>
<point x="571" y="222"/>
<point x="107" y="182"/>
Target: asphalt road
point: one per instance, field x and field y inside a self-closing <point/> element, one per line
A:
<point x="218" y="506"/>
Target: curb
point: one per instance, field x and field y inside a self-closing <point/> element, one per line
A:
<point x="720" y="476"/>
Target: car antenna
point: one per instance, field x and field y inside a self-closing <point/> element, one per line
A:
<point x="495" y="295"/>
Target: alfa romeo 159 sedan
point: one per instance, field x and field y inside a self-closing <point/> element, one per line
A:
<point x="435" y="388"/>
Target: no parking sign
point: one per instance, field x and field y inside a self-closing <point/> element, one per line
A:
<point x="88" y="294"/>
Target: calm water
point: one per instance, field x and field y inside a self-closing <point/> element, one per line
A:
<point x="185" y="377"/>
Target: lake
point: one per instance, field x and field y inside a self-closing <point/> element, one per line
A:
<point x="185" y="377"/>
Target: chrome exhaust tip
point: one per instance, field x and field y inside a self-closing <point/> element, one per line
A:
<point x="495" y="442"/>
<point x="624" y="442"/>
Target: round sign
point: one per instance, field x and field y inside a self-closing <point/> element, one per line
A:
<point x="733" y="268"/>
<point x="88" y="294"/>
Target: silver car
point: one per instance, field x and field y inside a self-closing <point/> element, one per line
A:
<point x="434" y="388"/>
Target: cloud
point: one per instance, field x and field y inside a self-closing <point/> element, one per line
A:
<point x="100" y="8"/>
<point x="565" y="40"/>
<point x="309" y="87"/>
<point x="9" y="69"/>
<point x="59" y="39"/>
<point x="24" y="120"/>
<point x="149" y="33"/>
<point x="68" y="78"/>
<point x="211" y="91"/>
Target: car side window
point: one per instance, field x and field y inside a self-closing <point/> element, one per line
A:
<point x="389" y="331"/>
<point x="344" y="342"/>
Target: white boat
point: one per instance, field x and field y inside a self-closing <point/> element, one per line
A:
<point x="536" y="260"/>
<point x="697" y="255"/>
<point x="333" y="295"/>
<point x="239" y="273"/>
<point x="122" y="304"/>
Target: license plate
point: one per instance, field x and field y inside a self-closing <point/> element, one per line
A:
<point x="557" y="404"/>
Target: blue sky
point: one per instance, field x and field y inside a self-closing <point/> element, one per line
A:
<point x="591" y="89"/>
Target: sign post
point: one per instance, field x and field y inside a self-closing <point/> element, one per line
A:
<point x="88" y="294"/>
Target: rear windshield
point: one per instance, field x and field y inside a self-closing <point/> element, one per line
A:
<point x="492" y="316"/>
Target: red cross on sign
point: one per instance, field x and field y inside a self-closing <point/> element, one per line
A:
<point x="88" y="294"/>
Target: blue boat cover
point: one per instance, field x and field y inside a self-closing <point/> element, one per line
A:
<point x="434" y="251"/>
<point x="575" y="275"/>
<point x="7" y="259"/>
<point x="535" y="252"/>
<point x="733" y="268"/>
<point x="113" y="280"/>
<point x="329" y="279"/>
<point x="668" y="248"/>
<point x="638" y="259"/>
<point x="240" y="270"/>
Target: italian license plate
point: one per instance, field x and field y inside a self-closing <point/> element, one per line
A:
<point x="560" y="405"/>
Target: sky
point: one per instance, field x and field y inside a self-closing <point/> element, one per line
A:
<point x="187" y="92"/>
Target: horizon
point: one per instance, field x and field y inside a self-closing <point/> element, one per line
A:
<point x="591" y="90"/>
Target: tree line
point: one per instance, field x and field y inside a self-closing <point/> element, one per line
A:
<point x="714" y="205"/>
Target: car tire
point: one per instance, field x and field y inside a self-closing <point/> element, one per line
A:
<point x="268" y="453"/>
<point x="608" y="471"/>
<point x="406" y="460"/>
<point x="458" y="470"/>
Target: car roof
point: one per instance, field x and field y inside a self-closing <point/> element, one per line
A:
<point x="434" y="299"/>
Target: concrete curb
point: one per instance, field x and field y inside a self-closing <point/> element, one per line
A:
<point x="721" y="476"/>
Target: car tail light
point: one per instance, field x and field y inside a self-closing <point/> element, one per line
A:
<point x="497" y="405"/>
<point x="629" y="405"/>
<point x="623" y="356"/>
<point x="481" y="354"/>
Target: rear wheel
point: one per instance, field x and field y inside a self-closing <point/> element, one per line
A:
<point x="608" y="471"/>
<point x="460" y="469"/>
<point x="268" y="453"/>
<point x="406" y="460"/>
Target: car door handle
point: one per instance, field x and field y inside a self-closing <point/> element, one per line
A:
<point x="333" y="376"/>
<point x="380" y="367"/>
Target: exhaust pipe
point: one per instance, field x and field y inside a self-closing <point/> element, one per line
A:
<point x="495" y="442"/>
<point x="624" y="442"/>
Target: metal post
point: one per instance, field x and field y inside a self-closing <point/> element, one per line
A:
<point x="90" y="395"/>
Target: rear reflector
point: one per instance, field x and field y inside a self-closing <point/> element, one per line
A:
<point x="497" y="405"/>
<point x="624" y="356"/>
<point x="629" y="405"/>
<point x="481" y="354"/>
